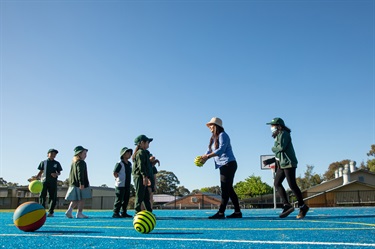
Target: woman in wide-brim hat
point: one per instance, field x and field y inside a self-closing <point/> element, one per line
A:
<point x="220" y="149"/>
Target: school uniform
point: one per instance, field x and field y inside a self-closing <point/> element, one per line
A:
<point x="78" y="176"/>
<point x="49" y="182"/>
<point x="141" y="169"/>
<point x="122" y="186"/>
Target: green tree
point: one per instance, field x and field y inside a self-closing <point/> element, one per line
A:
<point x="371" y="162"/>
<point x="12" y="184"/>
<point x="213" y="189"/>
<point x="330" y="173"/>
<point x="195" y="191"/>
<point x="252" y="186"/>
<point x="182" y="191"/>
<point x="3" y="182"/>
<point x="166" y="182"/>
<point x="310" y="179"/>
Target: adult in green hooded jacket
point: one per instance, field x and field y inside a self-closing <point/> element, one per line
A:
<point x="286" y="163"/>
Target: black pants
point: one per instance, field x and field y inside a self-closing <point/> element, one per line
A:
<point x="122" y="199"/>
<point x="51" y="187"/>
<point x="226" y="180"/>
<point x="141" y="194"/>
<point x="290" y="175"/>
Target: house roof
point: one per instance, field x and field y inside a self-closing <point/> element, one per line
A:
<point x="165" y="198"/>
<point x="338" y="180"/>
<point x="351" y="183"/>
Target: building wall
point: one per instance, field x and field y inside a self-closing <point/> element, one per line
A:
<point x="195" y="201"/>
<point x="364" y="177"/>
<point x="12" y="197"/>
<point x="350" y="194"/>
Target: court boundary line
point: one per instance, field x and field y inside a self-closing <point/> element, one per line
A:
<point x="320" y="243"/>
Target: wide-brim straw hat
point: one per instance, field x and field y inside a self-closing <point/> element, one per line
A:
<point x="216" y="121"/>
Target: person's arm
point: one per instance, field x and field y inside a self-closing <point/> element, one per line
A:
<point x="39" y="174"/>
<point x="81" y="174"/>
<point x="40" y="168"/>
<point x="223" y="143"/>
<point x="143" y="161"/>
<point x="116" y="170"/>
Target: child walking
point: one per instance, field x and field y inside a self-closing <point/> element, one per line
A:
<point x="49" y="170"/>
<point x="122" y="174"/>
<point x="141" y="173"/>
<point x="79" y="186"/>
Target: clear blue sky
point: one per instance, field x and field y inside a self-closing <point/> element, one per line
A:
<point x="99" y="73"/>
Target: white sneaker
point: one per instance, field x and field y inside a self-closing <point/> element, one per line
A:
<point x="69" y="214"/>
<point x="81" y="216"/>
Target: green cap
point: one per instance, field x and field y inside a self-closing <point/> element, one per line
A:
<point x="79" y="149"/>
<point x="53" y="150"/>
<point x="124" y="150"/>
<point x="277" y="121"/>
<point x="140" y="138"/>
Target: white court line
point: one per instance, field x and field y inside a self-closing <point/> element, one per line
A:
<point x="202" y="240"/>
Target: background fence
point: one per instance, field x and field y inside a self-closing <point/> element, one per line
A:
<point x="202" y="201"/>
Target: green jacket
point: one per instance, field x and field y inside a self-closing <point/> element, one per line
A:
<point x="78" y="174"/>
<point x="141" y="163"/>
<point x="284" y="151"/>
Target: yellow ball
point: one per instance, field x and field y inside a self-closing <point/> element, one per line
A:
<point x="144" y="221"/>
<point x="198" y="161"/>
<point x="35" y="186"/>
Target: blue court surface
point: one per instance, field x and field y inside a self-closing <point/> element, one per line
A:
<point x="260" y="228"/>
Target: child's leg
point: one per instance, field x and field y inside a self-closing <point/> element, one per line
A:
<point x="72" y="205"/>
<point x="151" y="196"/>
<point x="139" y="193"/>
<point x="118" y="201"/>
<point x="146" y="200"/>
<point x="81" y="204"/>
<point x="126" y="198"/>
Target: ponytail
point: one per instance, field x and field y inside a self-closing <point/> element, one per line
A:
<point x="135" y="152"/>
<point x="280" y="128"/>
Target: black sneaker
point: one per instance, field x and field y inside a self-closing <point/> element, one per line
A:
<point x="125" y="215"/>
<point x="303" y="211"/>
<point x="287" y="209"/>
<point x="235" y="215"/>
<point x="116" y="215"/>
<point x="217" y="216"/>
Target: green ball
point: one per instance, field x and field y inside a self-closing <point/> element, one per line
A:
<point x="144" y="221"/>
